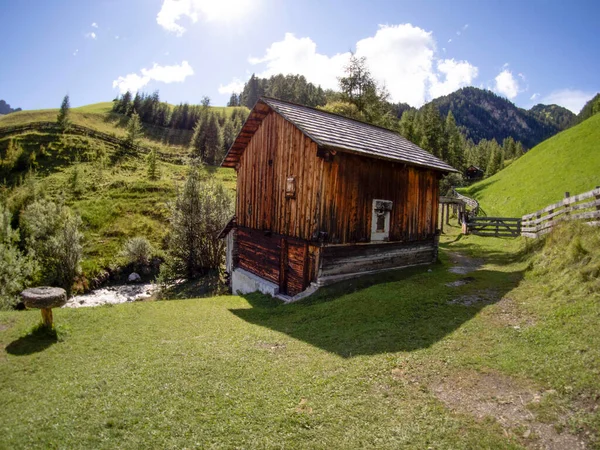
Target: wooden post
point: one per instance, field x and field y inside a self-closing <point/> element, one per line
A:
<point x="597" y="199"/>
<point x="47" y="317"/>
<point x="447" y="213"/>
<point x="567" y="207"/>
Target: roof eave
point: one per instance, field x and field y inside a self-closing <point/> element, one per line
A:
<point x="384" y="158"/>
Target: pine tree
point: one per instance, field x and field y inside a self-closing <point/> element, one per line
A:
<point x="233" y="100"/>
<point x="229" y="134"/>
<point x="63" y="118"/>
<point x="200" y="211"/>
<point x="408" y="126"/>
<point x="152" y="165"/>
<point x="495" y="160"/>
<point x="134" y="130"/>
<point x="431" y="130"/>
<point x="214" y="141"/>
<point x="198" y="141"/>
<point x="252" y="92"/>
<point x="456" y="156"/>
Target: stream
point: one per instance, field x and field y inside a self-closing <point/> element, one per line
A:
<point x="113" y="295"/>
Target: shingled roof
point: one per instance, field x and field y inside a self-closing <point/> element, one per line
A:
<point x="336" y="132"/>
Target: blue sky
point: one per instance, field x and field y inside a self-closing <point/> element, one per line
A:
<point x="528" y="51"/>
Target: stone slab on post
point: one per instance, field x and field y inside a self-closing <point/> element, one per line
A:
<point x="44" y="298"/>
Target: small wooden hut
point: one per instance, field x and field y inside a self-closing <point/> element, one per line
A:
<point x="473" y="173"/>
<point x="323" y="198"/>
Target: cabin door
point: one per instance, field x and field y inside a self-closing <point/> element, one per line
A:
<point x="292" y="266"/>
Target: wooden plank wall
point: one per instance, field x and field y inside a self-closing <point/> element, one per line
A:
<point x="351" y="182"/>
<point x="282" y="260"/>
<point x="279" y="150"/>
<point x="342" y="260"/>
<point x="258" y="253"/>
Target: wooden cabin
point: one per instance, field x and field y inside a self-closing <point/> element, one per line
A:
<point x="323" y="198"/>
<point x="473" y="173"/>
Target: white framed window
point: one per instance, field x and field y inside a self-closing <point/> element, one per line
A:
<point x="380" y="220"/>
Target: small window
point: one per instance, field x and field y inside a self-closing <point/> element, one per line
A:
<point x="290" y="188"/>
<point x="380" y="222"/>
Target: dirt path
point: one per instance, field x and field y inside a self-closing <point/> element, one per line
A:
<point x="508" y="401"/>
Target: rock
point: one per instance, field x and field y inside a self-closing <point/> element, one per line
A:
<point x="134" y="278"/>
<point x="44" y="297"/>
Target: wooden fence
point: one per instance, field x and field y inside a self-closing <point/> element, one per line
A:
<point x="584" y="207"/>
<point x="494" y="226"/>
<point x="53" y="127"/>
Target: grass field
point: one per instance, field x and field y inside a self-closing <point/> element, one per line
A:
<point x="567" y="162"/>
<point x="378" y="362"/>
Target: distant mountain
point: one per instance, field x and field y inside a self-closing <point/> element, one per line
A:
<point x="554" y="115"/>
<point x="592" y="107"/>
<point x="481" y="114"/>
<point x="6" y="109"/>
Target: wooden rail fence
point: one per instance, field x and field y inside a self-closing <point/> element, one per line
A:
<point x="79" y="130"/>
<point x="494" y="226"/>
<point x="584" y="207"/>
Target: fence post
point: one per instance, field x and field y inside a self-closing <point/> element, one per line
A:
<point x="597" y="197"/>
<point x="567" y="207"/>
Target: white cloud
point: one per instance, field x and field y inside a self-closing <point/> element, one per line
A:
<point x="534" y="96"/>
<point x="75" y="52"/>
<point x="117" y="37"/>
<point x="572" y="99"/>
<point x="222" y="11"/>
<point x="166" y="74"/>
<point x="465" y="26"/>
<point x="295" y="55"/>
<point x="236" y="86"/>
<point x="401" y="57"/>
<point x="458" y="33"/>
<point x="94" y="25"/>
<point x="449" y="40"/>
<point x="457" y="74"/>
<point x="91" y="35"/>
<point x="506" y="84"/>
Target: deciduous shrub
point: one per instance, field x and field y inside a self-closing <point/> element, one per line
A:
<point x="200" y="211"/>
<point x="16" y="268"/>
<point x="137" y="251"/>
<point x="54" y="240"/>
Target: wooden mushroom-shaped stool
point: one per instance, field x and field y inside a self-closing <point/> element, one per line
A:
<point x="44" y="298"/>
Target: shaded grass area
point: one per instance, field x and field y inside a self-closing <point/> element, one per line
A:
<point x="567" y="162"/>
<point x="352" y="367"/>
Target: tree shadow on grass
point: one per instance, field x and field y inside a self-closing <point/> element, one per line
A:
<point x="37" y="340"/>
<point x="401" y="310"/>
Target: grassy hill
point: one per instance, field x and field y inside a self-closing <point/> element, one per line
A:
<point x="107" y="186"/>
<point x="400" y="360"/>
<point x="567" y="162"/>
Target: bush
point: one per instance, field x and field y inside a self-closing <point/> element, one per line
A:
<point x="200" y="211"/>
<point x="16" y="269"/>
<point x="54" y="239"/>
<point x="449" y="181"/>
<point x="137" y="251"/>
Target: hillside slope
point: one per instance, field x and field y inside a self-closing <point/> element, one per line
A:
<point x="567" y="162"/>
<point x="94" y="174"/>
